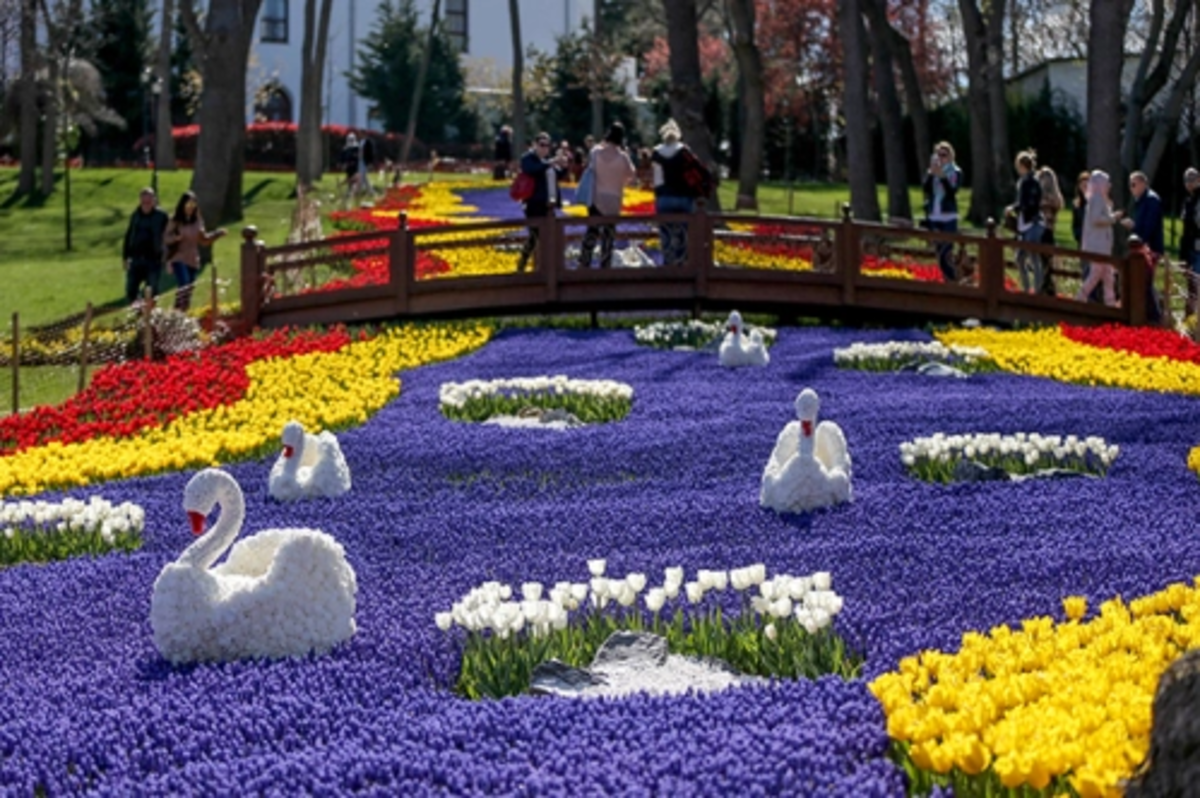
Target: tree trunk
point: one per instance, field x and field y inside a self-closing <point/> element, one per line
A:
<point x="864" y="201"/>
<point x="1148" y="81"/>
<point x="594" y="71"/>
<point x="1107" y="35"/>
<point x="982" y="177"/>
<point x="50" y="125"/>
<point x="220" y="152"/>
<point x="309" y="152"/>
<point x="914" y="100"/>
<point x="29" y="113"/>
<point x="415" y="107"/>
<point x="164" y="143"/>
<point x="1168" y="122"/>
<point x="518" y="78"/>
<point x="749" y="60"/>
<point x="890" y="116"/>
<point x="686" y="93"/>
<point x="1002" y="167"/>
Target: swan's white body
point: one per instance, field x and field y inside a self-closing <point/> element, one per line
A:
<point x="280" y="593"/>
<point x="738" y="349"/>
<point x="310" y="466"/>
<point x="810" y="466"/>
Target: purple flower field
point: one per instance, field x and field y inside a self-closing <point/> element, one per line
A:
<point x="437" y="507"/>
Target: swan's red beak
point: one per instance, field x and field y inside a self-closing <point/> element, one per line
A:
<point x="197" y="520"/>
<point x="288" y="451"/>
<point x="806" y="428"/>
<point x="731" y="328"/>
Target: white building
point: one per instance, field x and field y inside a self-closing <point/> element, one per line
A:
<point x="480" y="27"/>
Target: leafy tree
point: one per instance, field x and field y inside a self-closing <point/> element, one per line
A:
<point x="185" y="74"/>
<point x="386" y="73"/>
<point x="122" y="49"/>
<point x="561" y="102"/>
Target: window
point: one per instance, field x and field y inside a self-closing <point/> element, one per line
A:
<point x="455" y="23"/>
<point x="274" y="26"/>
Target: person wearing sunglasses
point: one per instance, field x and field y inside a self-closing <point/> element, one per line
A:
<point x="940" y="186"/>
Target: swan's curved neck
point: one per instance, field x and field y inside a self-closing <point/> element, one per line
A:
<point x="807" y="425"/>
<point x="213" y="543"/>
<point x="292" y="464"/>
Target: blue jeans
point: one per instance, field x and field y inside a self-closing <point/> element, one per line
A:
<point x="185" y="278"/>
<point x="945" y="248"/>
<point x="672" y="237"/>
<point x="1024" y="258"/>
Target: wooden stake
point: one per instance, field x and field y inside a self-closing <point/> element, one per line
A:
<point x="147" y="333"/>
<point x="83" y="349"/>
<point x="16" y="363"/>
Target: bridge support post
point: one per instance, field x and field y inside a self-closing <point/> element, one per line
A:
<point x="399" y="271"/>
<point x="699" y="254"/>
<point x="1137" y="280"/>
<point x="991" y="270"/>
<point x="252" y="277"/>
<point x="850" y="254"/>
<point x="550" y="253"/>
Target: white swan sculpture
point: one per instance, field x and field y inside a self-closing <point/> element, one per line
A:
<point x="810" y="466"/>
<point x="739" y="350"/>
<point x="310" y="466"/>
<point x="280" y="593"/>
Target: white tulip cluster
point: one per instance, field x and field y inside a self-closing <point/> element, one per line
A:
<point x="71" y="515"/>
<point x="492" y="605"/>
<point x="691" y="334"/>
<point x="1021" y="451"/>
<point x="457" y="394"/>
<point x="895" y="354"/>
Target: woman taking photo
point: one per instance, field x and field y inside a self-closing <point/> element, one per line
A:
<point x="184" y="237"/>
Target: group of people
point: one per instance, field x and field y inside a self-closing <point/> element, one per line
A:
<point x="1033" y="216"/>
<point x="610" y="169"/>
<point x="154" y="240"/>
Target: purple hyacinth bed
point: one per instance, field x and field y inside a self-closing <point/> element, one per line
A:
<point x="437" y="507"/>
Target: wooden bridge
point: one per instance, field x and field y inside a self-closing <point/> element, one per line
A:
<point x="789" y="266"/>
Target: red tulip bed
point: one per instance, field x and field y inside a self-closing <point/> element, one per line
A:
<point x="126" y="398"/>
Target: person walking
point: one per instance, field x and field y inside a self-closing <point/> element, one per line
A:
<point x="671" y="192"/>
<point x="1146" y="222"/>
<point x="1098" y="237"/>
<point x="1189" y="252"/>
<point x="349" y="161"/>
<point x="1028" y="212"/>
<point x="142" y="251"/>
<point x="539" y="165"/>
<point x="941" y="183"/>
<point x="502" y="153"/>
<point x="611" y="172"/>
<point x="184" y="236"/>
<point x="1052" y="203"/>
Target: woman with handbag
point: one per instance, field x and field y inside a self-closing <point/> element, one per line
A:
<point x="610" y="171"/>
<point x="539" y="170"/>
<point x="184" y="237"/>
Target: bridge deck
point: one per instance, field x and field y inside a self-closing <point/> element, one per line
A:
<point x="785" y="265"/>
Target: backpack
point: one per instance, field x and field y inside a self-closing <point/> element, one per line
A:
<point x="522" y="187"/>
<point x="696" y="175"/>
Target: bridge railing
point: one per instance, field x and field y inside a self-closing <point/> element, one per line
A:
<point x="790" y="265"/>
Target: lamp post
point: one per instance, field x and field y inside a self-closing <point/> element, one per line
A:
<point x="155" y="90"/>
<point x="787" y="152"/>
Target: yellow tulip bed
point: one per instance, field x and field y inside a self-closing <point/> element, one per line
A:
<point x="1048" y="352"/>
<point x="1047" y="705"/>
<point x="321" y="390"/>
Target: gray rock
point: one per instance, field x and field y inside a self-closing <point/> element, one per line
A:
<point x="975" y="471"/>
<point x="1054" y="473"/>
<point x="558" y="678"/>
<point x="935" y="369"/>
<point x="632" y="649"/>
<point x="559" y="414"/>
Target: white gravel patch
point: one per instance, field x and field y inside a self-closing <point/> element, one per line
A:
<point x="677" y="675"/>
<point x="516" y="421"/>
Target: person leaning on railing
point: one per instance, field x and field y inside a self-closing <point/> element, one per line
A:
<point x="1189" y="253"/>
<point x="671" y="192"/>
